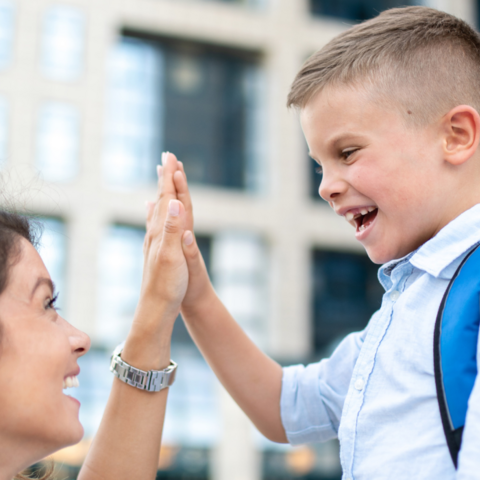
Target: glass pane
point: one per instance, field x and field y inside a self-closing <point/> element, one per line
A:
<point x="3" y="131"/>
<point x="134" y="139"/>
<point x="346" y="293"/>
<point x="53" y="250"/>
<point x="6" y="32"/>
<point x="57" y="142"/>
<point x="354" y="9"/>
<point x="213" y="100"/>
<point x="239" y="271"/>
<point x="63" y="38"/>
<point x="206" y="108"/>
<point x="308" y="462"/>
<point x="120" y="277"/>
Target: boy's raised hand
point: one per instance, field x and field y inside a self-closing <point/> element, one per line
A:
<point x="234" y="358"/>
<point x="198" y="282"/>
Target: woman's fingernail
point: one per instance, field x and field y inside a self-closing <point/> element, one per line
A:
<point x="174" y="208"/>
<point x="164" y="158"/>
<point x="159" y="171"/>
<point x="188" y="240"/>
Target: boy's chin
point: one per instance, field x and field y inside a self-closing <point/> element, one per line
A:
<point x="379" y="255"/>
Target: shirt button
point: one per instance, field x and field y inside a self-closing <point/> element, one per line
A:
<point x="394" y="295"/>
<point x="359" y="384"/>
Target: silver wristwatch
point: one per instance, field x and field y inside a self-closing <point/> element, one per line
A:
<point x="151" y="381"/>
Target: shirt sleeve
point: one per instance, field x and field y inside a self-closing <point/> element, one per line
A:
<point x="469" y="455"/>
<point x="312" y="397"/>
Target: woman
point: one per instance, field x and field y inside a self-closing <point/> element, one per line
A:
<point x="39" y="351"/>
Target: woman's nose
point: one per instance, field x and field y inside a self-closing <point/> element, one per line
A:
<point x="80" y="342"/>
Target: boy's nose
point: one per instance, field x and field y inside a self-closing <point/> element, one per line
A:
<point x="331" y="186"/>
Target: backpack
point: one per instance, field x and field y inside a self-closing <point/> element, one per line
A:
<point x="455" y="348"/>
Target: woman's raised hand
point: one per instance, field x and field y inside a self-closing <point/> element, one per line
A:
<point x="165" y="272"/>
<point x="132" y="424"/>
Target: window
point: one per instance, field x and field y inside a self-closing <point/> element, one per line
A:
<point x="7" y="22"/>
<point x="239" y="270"/>
<point x="121" y="265"/>
<point x="53" y="250"/>
<point x="354" y="9"/>
<point x="3" y="131"/>
<point x="57" y="142"/>
<point x="63" y="43"/>
<point x="192" y="421"/>
<point x="346" y="293"/>
<point x="203" y="103"/>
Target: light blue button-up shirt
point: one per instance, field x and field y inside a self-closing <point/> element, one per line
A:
<point x="376" y="393"/>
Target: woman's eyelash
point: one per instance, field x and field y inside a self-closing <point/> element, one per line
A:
<point x="319" y="170"/>
<point x="53" y="301"/>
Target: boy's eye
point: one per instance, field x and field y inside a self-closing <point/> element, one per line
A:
<point x="347" y="152"/>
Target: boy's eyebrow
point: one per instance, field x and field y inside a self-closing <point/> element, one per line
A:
<point x="335" y="140"/>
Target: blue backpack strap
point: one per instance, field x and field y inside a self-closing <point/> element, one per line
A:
<point x="455" y="348"/>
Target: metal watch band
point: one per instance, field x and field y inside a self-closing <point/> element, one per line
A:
<point x="151" y="381"/>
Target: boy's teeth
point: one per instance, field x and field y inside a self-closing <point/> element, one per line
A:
<point x="371" y="209"/>
<point x="349" y="216"/>
<point x="361" y="228"/>
<point x="363" y="211"/>
<point x="71" y="382"/>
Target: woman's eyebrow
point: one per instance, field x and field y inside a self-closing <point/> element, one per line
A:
<point x="42" y="281"/>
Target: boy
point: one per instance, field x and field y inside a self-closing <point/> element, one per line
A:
<point x="389" y="109"/>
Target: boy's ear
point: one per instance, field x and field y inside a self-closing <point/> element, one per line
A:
<point x="461" y="127"/>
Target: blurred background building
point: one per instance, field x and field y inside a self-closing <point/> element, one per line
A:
<point x="91" y="93"/>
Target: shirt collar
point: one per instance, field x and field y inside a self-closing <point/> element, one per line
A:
<point x="449" y="244"/>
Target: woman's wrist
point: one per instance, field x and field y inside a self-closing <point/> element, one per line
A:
<point x="147" y="345"/>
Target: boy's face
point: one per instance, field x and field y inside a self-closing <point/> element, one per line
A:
<point x="385" y="178"/>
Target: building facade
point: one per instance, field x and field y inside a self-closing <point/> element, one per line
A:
<point x="91" y="93"/>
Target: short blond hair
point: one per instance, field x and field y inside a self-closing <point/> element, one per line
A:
<point x="417" y="58"/>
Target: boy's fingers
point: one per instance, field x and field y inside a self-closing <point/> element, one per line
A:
<point x="192" y="254"/>
<point x="183" y="194"/>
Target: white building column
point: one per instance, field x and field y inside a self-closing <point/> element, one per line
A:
<point x="239" y="268"/>
<point x="464" y="9"/>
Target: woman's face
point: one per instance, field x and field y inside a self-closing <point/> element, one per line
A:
<point x="38" y="351"/>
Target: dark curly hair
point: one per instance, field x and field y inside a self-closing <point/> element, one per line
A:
<point x="13" y="227"/>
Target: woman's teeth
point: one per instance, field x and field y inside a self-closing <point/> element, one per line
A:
<point x="71" y="382"/>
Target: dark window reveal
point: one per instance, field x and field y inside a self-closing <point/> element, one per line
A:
<point x="346" y="292"/>
<point x="356" y="10"/>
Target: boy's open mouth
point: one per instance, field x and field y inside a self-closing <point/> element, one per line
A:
<point x="364" y="220"/>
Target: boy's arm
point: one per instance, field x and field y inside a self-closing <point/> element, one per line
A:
<point x="252" y="378"/>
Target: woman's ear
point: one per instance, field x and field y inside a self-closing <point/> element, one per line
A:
<point x="461" y="134"/>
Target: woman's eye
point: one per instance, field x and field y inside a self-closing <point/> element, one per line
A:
<point x="319" y="170"/>
<point x="51" y="302"/>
